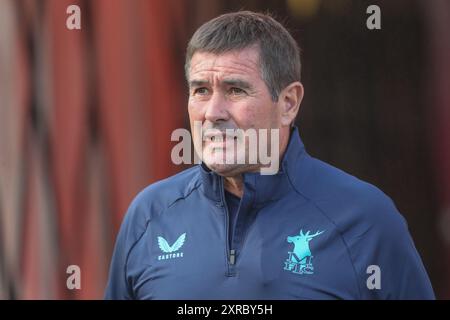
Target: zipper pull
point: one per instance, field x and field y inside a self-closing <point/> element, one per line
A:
<point x="232" y="256"/>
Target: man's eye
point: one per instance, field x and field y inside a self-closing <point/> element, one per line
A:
<point x="201" y="91"/>
<point x="235" y="90"/>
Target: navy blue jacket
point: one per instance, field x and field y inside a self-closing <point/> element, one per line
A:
<point x="311" y="231"/>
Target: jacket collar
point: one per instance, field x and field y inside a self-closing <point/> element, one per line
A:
<point x="260" y="189"/>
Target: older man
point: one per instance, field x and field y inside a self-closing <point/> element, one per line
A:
<point x="224" y="230"/>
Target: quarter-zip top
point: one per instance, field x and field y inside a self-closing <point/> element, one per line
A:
<point x="311" y="231"/>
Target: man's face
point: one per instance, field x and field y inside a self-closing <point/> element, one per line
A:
<point x="226" y="91"/>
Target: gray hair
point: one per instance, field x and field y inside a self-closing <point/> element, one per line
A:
<point x="279" y="53"/>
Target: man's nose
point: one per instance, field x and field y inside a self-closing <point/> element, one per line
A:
<point x="216" y="109"/>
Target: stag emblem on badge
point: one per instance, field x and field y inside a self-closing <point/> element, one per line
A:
<point x="300" y="259"/>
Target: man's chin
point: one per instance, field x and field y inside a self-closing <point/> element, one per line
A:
<point x="229" y="170"/>
<point x="223" y="169"/>
<point x="226" y="170"/>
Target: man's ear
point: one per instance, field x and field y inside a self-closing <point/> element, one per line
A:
<point x="289" y="101"/>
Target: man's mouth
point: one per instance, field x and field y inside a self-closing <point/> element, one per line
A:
<point x="218" y="137"/>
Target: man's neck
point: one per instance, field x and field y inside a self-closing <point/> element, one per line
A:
<point x="234" y="185"/>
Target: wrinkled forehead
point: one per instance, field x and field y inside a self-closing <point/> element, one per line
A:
<point x="244" y="62"/>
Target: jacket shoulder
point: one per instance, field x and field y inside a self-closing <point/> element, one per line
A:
<point x="158" y="196"/>
<point x="353" y="205"/>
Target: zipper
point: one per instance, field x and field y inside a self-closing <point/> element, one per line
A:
<point x="231" y="253"/>
<point x="232" y="256"/>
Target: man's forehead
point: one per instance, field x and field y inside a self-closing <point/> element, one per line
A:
<point x="228" y="64"/>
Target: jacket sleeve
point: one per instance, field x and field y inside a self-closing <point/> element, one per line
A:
<point x="119" y="286"/>
<point x="386" y="261"/>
